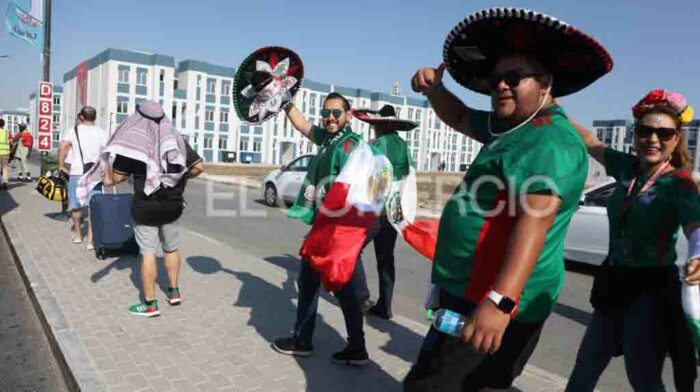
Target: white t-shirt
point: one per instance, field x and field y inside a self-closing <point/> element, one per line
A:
<point x="92" y="140"/>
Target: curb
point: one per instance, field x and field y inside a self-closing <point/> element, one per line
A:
<point x="73" y="361"/>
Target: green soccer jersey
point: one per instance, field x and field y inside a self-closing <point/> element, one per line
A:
<point x="395" y="149"/>
<point x="334" y="151"/>
<point x="649" y="228"/>
<point x="545" y="155"/>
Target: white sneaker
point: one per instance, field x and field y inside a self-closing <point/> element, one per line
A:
<point x="90" y="246"/>
<point x="77" y="239"/>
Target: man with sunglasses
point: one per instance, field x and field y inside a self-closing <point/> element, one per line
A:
<point x="499" y="255"/>
<point x="335" y="141"/>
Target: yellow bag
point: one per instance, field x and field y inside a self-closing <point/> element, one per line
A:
<point x="52" y="188"/>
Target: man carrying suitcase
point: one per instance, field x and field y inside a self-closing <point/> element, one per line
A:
<point x="148" y="148"/>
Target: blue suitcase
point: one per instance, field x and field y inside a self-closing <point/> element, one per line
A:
<point x="112" y="225"/>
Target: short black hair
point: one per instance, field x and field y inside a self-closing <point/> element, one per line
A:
<point x="22" y="127"/>
<point x="335" y="95"/>
<point x="88" y="113"/>
<point x="2" y="122"/>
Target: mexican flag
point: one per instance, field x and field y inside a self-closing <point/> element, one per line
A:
<point x="421" y="234"/>
<point x="346" y="215"/>
<point x="691" y="308"/>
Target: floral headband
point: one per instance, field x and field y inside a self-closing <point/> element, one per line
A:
<point x="667" y="99"/>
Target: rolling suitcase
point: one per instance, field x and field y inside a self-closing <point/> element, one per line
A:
<point x="112" y="226"/>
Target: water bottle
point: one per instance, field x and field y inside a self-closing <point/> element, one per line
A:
<point x="449" y="322"/>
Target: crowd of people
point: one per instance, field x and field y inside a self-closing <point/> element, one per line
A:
<point x="498" y="260"/>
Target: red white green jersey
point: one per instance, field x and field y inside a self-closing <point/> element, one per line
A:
<point x="652" y="219"/>
<point x="546" y="156"/>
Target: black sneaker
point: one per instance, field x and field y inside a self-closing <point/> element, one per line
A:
<point x="293" y="346"/>
<point x="366" y="305"/>
<point x="351" y="357"/>
<point x="381" y="313"/>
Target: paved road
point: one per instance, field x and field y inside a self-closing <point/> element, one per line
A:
<point x="26" y="361"/>
<point x="234" y="215"/>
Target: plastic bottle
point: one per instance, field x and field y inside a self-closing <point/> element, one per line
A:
<point x="449" y="322"/>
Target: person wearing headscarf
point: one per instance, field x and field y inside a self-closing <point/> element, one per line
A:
<point x="148" y="148"/>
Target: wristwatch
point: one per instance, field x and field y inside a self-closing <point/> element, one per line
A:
<point x="503" y="303"/>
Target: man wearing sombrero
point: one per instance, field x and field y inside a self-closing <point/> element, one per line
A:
<point x="390" y="144"/>
<point x="499" y="254"/>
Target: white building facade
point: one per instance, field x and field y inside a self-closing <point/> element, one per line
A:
<point x="197" y="97"/>
<point x="13" y="119"/>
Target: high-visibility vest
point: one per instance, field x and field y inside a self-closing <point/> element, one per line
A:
<point x="4" y="142"/>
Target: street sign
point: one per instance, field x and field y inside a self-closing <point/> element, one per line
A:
<point x="44" y="142"/>
<point x="45" y="111"/>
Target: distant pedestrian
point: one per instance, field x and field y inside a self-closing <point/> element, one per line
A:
<point x="24" y="141"/>
<point x="150" y="150"/>
<point x="4" y="154"/>
<point x="80" y="147"/>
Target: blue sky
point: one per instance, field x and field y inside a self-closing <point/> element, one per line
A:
<point x="363" y="43"/>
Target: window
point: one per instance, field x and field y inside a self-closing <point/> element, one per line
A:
<point x="56" y="100"/>
<point x="226" y="88"/>
<point x="162" y="75"/>
<point x="410" y="113"/>
<point x="599" y="197"/>
<point x="257" y="144"/>
<point x="56" y="118"/>
<point x="123" y="74"/>
<point x="208" y="142"/>
<point x="300" y="164"/>
<point x="209" y="115"/>
<point x="418" y="112"/>
<point x="141" y="76"/>
<point x="258" y="130"/>
<point x="122" y="107"/>
<point x="223" y="117"/>
<point x="211" y="86"/>
<point x="244" y="143"/>
<point x="223" y="142"/>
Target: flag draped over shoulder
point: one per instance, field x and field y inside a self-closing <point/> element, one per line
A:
<point x="691" y="308"/>
<point x="348" y="212"/>
<point x="421" y="234"/>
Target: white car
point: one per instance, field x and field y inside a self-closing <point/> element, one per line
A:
<point x="587" y="238"/>
<point x="283" y="184"/>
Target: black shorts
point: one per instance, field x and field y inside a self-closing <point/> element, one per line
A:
<point x="446" y="363"/>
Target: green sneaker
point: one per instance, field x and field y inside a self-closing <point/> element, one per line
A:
<point x="144" y="310"/>
<point x="174" y="296"/>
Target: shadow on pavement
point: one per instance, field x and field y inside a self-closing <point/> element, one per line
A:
<point x="272" y="314"/>
<point x="7" y="202"/>
<point x="132" y="262"/>
<point x="580" y="316"/>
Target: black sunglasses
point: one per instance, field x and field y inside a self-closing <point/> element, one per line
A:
<point x="664" y="134"/>
<point x="325" y="113"/>
<point x="512" y="78"/>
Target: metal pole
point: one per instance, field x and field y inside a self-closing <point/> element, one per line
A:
<point x="47" y="41"/>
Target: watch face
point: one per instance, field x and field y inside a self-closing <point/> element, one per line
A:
<point x="506" y="304"/>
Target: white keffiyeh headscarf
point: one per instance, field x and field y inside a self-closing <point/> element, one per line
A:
<point x="147" y="136"/>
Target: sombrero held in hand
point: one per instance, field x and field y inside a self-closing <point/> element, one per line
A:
<point x="473" y="47"/>
<point x="265" y="82"/>
<point x="385" y="116"/>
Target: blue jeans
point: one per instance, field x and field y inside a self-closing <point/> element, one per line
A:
<point x="635" y="329"/>
<point x="350" y="298"/>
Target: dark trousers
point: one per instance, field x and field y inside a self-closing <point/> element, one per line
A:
<point x="384" y="244"/>
<point x="350" y="298"/>
<point x="448" y="364"/>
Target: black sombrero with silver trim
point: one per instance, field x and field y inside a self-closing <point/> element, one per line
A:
<point x="385" y="116"/>
<point x="474" y="46"/>
<point x="266" y="82"/>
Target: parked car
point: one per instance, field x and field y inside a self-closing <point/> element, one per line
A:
<point x="283" y="184"/>
<point x="587" y="238"/>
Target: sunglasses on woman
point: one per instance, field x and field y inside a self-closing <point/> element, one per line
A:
<point x="664" y="134"/>
<point x="512" y="78"/>
<point x="325" y="113"/>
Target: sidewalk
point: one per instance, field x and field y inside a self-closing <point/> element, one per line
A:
<point x="234" y="305"/>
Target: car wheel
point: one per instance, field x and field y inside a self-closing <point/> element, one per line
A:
<point x="270" y="195"/>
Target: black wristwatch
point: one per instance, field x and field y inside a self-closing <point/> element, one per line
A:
<point x="503" y="303"/>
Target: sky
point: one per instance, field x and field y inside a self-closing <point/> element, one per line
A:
<point x="364" y="43"/>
